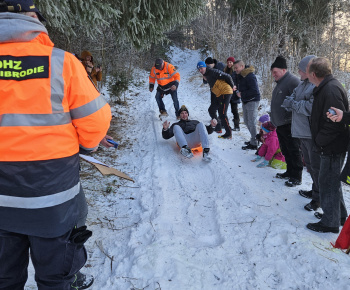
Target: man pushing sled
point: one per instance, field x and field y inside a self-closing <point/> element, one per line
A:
<point x="189" y="134"/>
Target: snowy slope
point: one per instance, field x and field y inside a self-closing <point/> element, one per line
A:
<point x="186" y="224"/>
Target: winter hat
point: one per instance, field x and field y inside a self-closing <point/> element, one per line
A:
<point x="268" y="127"/>
<point x="280" y="62"/>
<point x="264" y="118"/>
<point x="201" y="64"/>
<point x="231" y="58"/>
<point x="305" y="61"/>
<point x="20" y="6"/>
<point x="159" y="63"/>
<point x="183" y="108"/>
<point x="209" y="60"/>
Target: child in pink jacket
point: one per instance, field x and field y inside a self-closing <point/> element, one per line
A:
<point x="270" y="151"/>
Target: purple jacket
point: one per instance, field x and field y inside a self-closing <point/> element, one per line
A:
<point x="270" y="146"/>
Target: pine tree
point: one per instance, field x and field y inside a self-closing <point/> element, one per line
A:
<point x="140" y="22"/>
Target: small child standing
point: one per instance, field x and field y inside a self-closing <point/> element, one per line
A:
<point x="270" y="151"/>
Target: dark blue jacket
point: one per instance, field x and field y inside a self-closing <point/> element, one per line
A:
<point x="248" y="85"/>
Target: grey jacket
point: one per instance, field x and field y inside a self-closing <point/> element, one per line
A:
<point x="285" y="86"/>
<point x="300" y="104"/>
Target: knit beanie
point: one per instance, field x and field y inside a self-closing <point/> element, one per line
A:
<point x="264" y="118"/>
<point x="305" y="61"/>
<point x="201" y="64"/>
<point x="280" y="62"/>
<point x="268" y="127"/>
<point x="183" y="108"/>
<point x="231" y="58"/>
<point x="158" y="63"/>
<point x="209" y="60"/>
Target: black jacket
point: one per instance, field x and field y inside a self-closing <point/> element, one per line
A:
<point x="217" y="65"/>
<point x="213" y="75"/>
<point x="188" y="126"/>
<point x="248" y="85"/>
<point x="233" y="75"/>
<point x="329" y="137"/>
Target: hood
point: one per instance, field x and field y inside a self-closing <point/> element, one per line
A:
<point x="16" y="27"/>
<point x="247" y="71"/>
<point x="84" y="54"/>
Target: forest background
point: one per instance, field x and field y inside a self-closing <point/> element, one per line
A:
<point x="126" y="35"/>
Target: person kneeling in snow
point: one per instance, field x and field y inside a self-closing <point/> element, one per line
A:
<point x="189" y="134"/>
<point x="270" y="151"/>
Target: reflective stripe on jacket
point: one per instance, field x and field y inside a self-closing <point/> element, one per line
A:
<point x="48" y="108"/>
<point x="165" y="76"/>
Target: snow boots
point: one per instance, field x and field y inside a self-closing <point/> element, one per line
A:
<point x="206" y="156"/>
<point x="186" y="151"/>
<point x="82" y="281"/>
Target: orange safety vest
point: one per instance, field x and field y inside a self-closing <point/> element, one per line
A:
<point x="48" y="105"/>
<point x="165" y="76"/>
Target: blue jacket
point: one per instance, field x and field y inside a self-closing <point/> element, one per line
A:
<point x="248" y="85"/>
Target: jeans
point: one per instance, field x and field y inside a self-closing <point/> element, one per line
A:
<point x="312" y="161"/>
<point x="194" y="139"/>
<point x="159" y="99"/>
<point x="250" y="113"/>
<point x="331" y="194"/>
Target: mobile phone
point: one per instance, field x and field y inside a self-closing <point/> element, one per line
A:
<point x="331" y="111"/>
<point x="113" y="142"/>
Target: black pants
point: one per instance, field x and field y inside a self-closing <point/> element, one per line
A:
<point x="234" y="110"/>
<point x="224" y="102"/>
<point x="214" y="106"/>
<point x="55" y="260"/>
<point x="290" y="148"/>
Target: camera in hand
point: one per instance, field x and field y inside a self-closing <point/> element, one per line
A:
<point x="99" y="66"/>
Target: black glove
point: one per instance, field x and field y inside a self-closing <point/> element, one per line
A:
<point x="80" y="235"/>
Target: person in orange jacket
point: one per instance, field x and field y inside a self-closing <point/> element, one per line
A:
<point x="88" y="62"/>
<point x="49" y="109"/>
<point x="168" y="80"/>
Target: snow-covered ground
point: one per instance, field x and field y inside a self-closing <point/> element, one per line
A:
<point x="187" y="224"/>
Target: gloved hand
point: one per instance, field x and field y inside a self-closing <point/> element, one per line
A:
<point x="287" y="103"/>
<point x="256" y="159"/>
<point x="263" y="164"/>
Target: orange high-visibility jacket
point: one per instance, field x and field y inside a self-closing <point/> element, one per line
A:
<point x="48" y="108"/>
<point x="166" y="77"/>
<point x="48" y="105"/>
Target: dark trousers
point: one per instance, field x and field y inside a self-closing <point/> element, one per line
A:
<point x="55" y="260"/>
<point x="161" y="106"/>
<point x="312" y="161"/>
<point x="224" y="101"/>
<point x="214" y="106"/>
<point x="331" y="194"/>
<point x="290" y="148"/>
<point x="234" y="110"/>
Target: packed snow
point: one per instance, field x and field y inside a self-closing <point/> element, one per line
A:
<point x="186" y="224"/>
